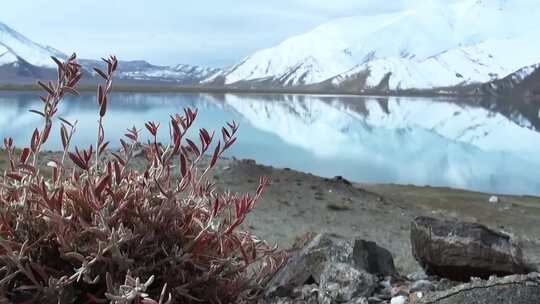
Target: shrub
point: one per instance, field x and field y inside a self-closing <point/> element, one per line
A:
<point x="98" y="230"/>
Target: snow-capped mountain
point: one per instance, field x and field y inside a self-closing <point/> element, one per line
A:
<point x="15" y="48"/>
<point x="22" y="61"/>
<point x="437" y="44"/>
<point x="141" y="70"/>
<point x="176" y="73"/>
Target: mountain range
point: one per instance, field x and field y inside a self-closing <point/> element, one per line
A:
<point x="441" y="46"/>
<point x="22" y="61"/>
<point x="471" y="47"/>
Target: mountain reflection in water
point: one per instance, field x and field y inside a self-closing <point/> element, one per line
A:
<point x="485" y="145"/>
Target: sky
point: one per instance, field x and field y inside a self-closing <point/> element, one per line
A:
<point x="213" y="33"/>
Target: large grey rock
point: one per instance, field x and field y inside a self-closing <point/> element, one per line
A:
<point x="342" y="282"/>
<point x="516" y="289"/>
<point x="308" y="264"/>
<point x="459" y="250"/>
<point x="307" y="294"/>
<point x="373" y="258"/>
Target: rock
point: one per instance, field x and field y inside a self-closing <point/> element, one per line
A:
<point x="494" y="199"/>
<point x="458" y="250"/>
<point x="342" y="282"/>
<point x="307" y="264"/>
<point x="422" y="285"/>
<point x="307" y="294"/>
<point x="515" y="289"/>
<point x="373" y="258"/>
<point x="361" y="300"/>
<point x="399" y="300"/>
<point x="415" y="297"/>
<point x="416" y="276"/>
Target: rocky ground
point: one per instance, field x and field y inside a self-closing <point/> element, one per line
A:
<point x="364" y="254"/>
<point x="298" y="203"/>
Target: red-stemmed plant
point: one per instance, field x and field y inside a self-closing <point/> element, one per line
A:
<point x="100" y="230"/>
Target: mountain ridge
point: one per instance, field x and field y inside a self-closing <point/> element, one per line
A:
<point x="23" y="61"/>
<point x="434" y="46"/>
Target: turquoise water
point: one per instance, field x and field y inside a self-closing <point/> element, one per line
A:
<point x="492" y="147"/>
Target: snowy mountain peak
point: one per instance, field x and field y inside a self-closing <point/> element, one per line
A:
<point x="24" y="60"/>
<point x="435" y="44"/>
<point x="14" y="47"/>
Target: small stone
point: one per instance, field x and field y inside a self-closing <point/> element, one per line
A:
<point x="422" y="285"/>
<point x="417" y="276"/>
<point x="341" y="282"/>
<point x="399" y="290"/>
<point x="361" y="300"/>
<point x="398" y="300"/>
<point x="414" y="297"/>
<point x="494" y="199"/>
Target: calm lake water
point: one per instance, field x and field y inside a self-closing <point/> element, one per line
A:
<point x="490" y="146"/>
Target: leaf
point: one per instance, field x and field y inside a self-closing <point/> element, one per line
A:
<point x="75" y="79"/>
<point x="58" y="63"/>
<point x="65" y="121"/>
<point x="102" y="184"/>
<point x="64" y="136"/>
<point x="103" y="147"/>
<point x="46" y="132"/>
<point x="8" y="142"/>
<point x="45" y="87"/>
<point x="205" y="136"/>
<point x="37" y="112"/>
<point x="117" y="172"/>
<point x="15" y="176"/>
<point x="193" y="146"/>
<point x="119" y="158"/>
<point x="183" y="165"/>
<point x="229" y="144"/>
<point x="225" y="133"/>
<point x="215" y="155"/>
<point x="24" y="155"/>
<point x="70" y="90"/>
<point x="34" y="141"/>
<point x="100" y="94"/>
<point x="77" y="161"/>
<point x="101" y="73"/>
<point x="103" y="107"/>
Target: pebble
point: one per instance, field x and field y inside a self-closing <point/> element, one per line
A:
<point x="398" y="300"/>
<point x="422" y="285"/>
<point x="494" y="199"/>
<point x="417" y="276"/>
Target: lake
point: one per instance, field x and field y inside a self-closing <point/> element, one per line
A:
<point x="485" y="145"/>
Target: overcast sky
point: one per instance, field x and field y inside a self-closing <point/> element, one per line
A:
<point x="205" y="32"/>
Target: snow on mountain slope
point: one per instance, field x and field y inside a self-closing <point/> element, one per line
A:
<point x="177" y="73"/>
<point x="437" y="43"/>
<point x="14" y="46"/>
<point x="479" y="63"/>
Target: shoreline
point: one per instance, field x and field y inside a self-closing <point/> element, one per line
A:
<point x="298" y="203"/>
<point x="172" y="88"/>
